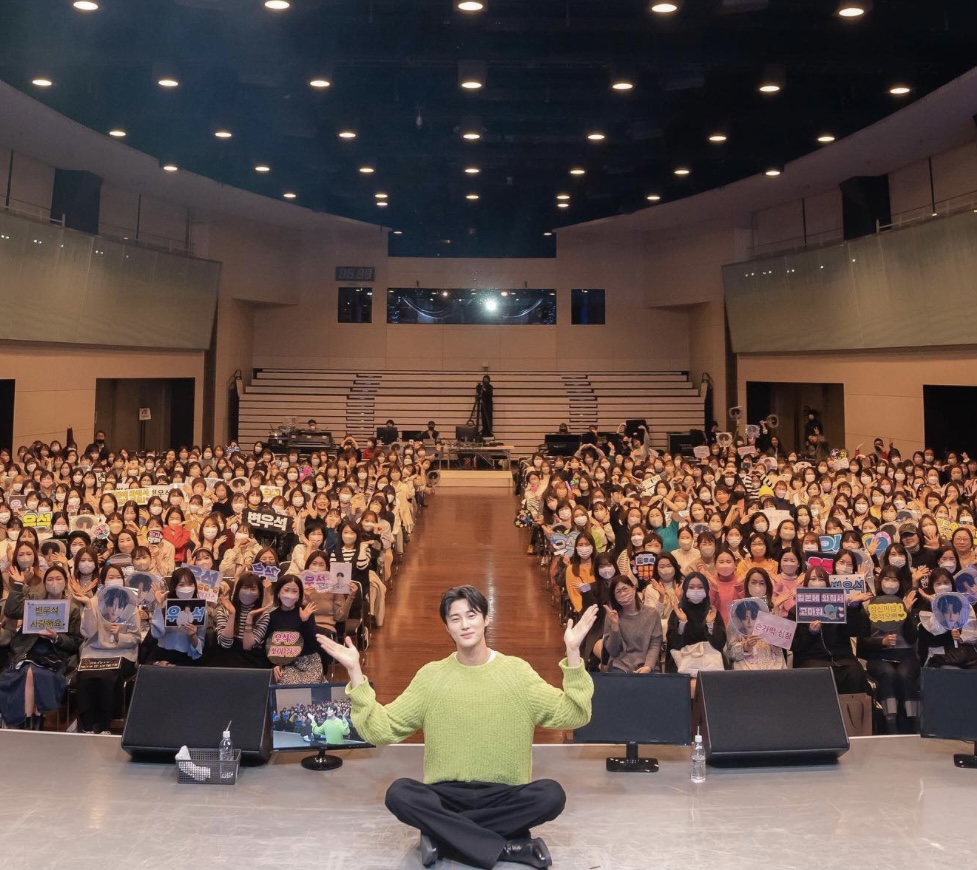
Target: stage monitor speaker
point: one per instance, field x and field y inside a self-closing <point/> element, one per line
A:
<point x="559" y="444"/>
<point x="175" y="706"/>
<point x="77" y="197"/>
<point x="950" y="708"/>
<point x="864" y="205"/>
<point x="753" y="718"/>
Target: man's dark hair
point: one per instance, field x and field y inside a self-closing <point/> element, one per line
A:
<point x="475" y="600"/>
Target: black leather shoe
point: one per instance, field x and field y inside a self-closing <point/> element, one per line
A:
<point x="429" y="850"/>
<point x="532" y="852"/>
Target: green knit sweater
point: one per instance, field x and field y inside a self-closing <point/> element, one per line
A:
<point x="478" y="721"/>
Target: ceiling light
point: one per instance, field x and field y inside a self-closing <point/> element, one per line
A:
<point x="469" y="6"/>
<point x="825" y="138"/>
<point x="42" y="82"/>
<point x="853" y="8"/>
<point x="471" y="197"/>
<point x="398" y="232"/>
<point x="262" y="167"/>
<point x="683" y="170"/>
<point x="170" y="167"/>
<point x="773" y="172"/>
<point x="563" y="205"/>
<point x="289" y="195"/>
<point x="380" y="196"/>
<point x="717" y="137"/>
<point x="277" y="5"/>
<point x="347" y="134"/>
<point x="769" y="88"/>
<point x="547" y="233"/>
<point x="382" y="203"/>
<point x="319" y="83"/>
<point x="472" y="74"/>
<point x="653" y="197"/>
<point x="563" y="197"/>
<point x="367" y="170"/>
<point x="471" y="135"/>
<point x="167" y="82"/>
<point x="223" y="134"/>
<point x="664" y="8"/>
<point x="899" y="90"/>
<point x="622" y="85"/>
<point x="85" y="5"/>
<point x="472" y="170"/>
<point x="117" y="133"/>
<point x="773" y="79"/>
<point x="578" y="170"/>
<point x="596" y="137"/>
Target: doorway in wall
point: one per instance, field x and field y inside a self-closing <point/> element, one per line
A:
<point x="950" y="419"/>
<point x="790" y="402"/>
<point x="7" y="413"/>
<point x="168" y="403"/>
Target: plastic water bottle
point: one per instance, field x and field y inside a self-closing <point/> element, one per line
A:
<point x="225" y="753"/>
<point x="698" y="760"/>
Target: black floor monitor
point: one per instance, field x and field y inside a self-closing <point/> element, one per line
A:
<point x="638" y="708"/>
<point x="314" y="716"/>
<point x="558" y="444"/>
<point x="466" y="433"/>
<point x="950" y="708"/>
<point x="386" y="434"/>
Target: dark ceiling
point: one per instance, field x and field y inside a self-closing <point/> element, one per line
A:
<point x="394" y="72"/>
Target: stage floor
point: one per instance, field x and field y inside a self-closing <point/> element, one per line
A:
<point x="892" y="803"/>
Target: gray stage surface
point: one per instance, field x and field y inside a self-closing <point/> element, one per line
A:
<point x="893" y="803"/>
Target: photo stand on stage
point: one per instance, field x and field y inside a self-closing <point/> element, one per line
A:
<point x="322" y="761"/>
<point x="631" y="763"/>
<point x="967" y="761"/>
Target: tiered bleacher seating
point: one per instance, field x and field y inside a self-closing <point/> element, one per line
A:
<point x="527" y="405"/>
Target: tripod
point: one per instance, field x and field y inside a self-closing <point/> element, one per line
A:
<point x="475" y="417"/>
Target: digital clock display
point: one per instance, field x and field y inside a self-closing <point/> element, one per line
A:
<point x="357" y="274"/>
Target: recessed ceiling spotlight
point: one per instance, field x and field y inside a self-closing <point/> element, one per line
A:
<point x="471" y="135"/>
<point x="320" y="83"/>
<point x="398" y="232"/>
<point x="578" y="170"/>
<point x="563" y="205"/>
<point x="683" y="170"/>
<point x="472" y="170"/>
<point x="472" y="197"/>
<point x="277" y="5"/>
<point x="262" y="167"/>
<point x="622" y="85"/>
<point x="664" y="8"/>
<point x="769" y="88"/>
<point x="596" y="137"/>
<point x="471" y="84"/>
<point x="380" y="196"/>
<point x="547" y="233"/>
<point x="347" y="134"/>
<point x="382" y="203"/>
<point x="367" y="170"/>
<point x="825" y="138"/>
<point x="899" y="90"/>
<point x="653" y="197"/>
<point x="563" y="197"/>
<point x="168" y="82"/>
<point x="472" y="74"/>
<point x="42" y="82"/>
<point x="289" y="195"/>
<point x="773" y="79"/>
<point x="85" y="5"/>
<point x="223" y="134"/>
<point x="170" y="167"/>
<point x="469" y="6"/>
<point x="117" y="133"/>
<point x="773" y="172"/>
<point x="718" y="137"/>
<point x="853" y="8"/>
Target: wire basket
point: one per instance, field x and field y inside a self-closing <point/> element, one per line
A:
<point x="206" y="768"/>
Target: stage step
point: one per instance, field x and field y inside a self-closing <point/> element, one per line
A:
<point x="461" y="478"/>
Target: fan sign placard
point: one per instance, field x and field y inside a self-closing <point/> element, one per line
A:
<point x="821" y="605"/>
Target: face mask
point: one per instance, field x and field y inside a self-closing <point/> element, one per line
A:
<point x="890" y="587"/>
<point x="637" y="541"/>
<point x="32" y="505"/>
<point x="293" y="476"/>
<point x="584" y="552"/>
<point x="580" y="520"/>
<point x="942" y="588"/>
<point x="781" y="493"/>
<point x="666" y="571"/>
<point x="184" y="592"/>
<point x="54" y="588"/>
<point x="633" y="521"/>
<point x="656" y="523"/>
<point x="757" y="590"/>
<point x="810" y="548"/>
<point x="734" y="541"/>
<point x="25" y="561"/>
<point x="12" y="535"/>
<point x="349" y="540"/>
<point x="760" y="527"/>
<point x="877" y="499"/>
<point x="948" y="564"/>
<point x="86" y="567"/>
<point x="17" y="487"/>
<point x="248" y="596"/>
<point x="298" y="502"/>
<point x="114" y="581"/>
<point x="367" y="527"/>
<point x="241" y="538"/>
<point x="607" y="572"/>
<point x="565" y="514"/>
<point x="705" y="497"/>
<point x="345" y="497"/>
<point x="696" y="596"/>
<point x="817" y="584"/>
<point x="210" y="533"/>
<point x="861" y="508"/>
<point x="897" y="561"/>
<point x="842" y="570"/>
<point x="288" y="599"/>
<point x="156" y="510"/>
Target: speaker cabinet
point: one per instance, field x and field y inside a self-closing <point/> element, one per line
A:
<point x="173" y="707"/>
<point x="770" y="717"/>
<point x="950" y="708"/>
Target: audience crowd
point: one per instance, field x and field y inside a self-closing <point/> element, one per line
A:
<point x="683" y="554"/>
<point x="198" y="556"/>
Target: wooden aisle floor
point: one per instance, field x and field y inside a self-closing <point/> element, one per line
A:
<point x="466" y="536"/>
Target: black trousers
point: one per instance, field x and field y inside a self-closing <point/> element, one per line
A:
<point x="473" y="820"/>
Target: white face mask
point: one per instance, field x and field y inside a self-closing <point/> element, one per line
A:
<point x="55" y="588"/>
<point x="942" y="588"/>
<point x="156" y="510"/>
<point x="707" y="551"/>
<point x="734" y="542"/>
<point x="345" y="497"/>
<point x="241" y="539"/>
<point x="585" y="552"/>
<point x="760" y="527"/>
<point x="666" y="571"/>
<point x="757" y="590"/>
<point x="25" y="561"/>
<point x="248" y="596"/>
<point x="565" y="514"/>
<point x="696" y="596"/>
<point x="86" y="567"/>
<point x="184" y="592"/>
<point x="685" y="545"/>
<point x="607" y="572"/>
<point x="114" y="581"/>
<point x="12" y="535"/>
<point x="580" y="520"/>
<point x="288" y="599"/>
<point x="210" y="533"/>
<point x="637" y="541"/>
<point x="817" y="584"/>
<point x="890" y="587"/>
<point x="948" y="564"/>
<point x="897" y="561"/>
